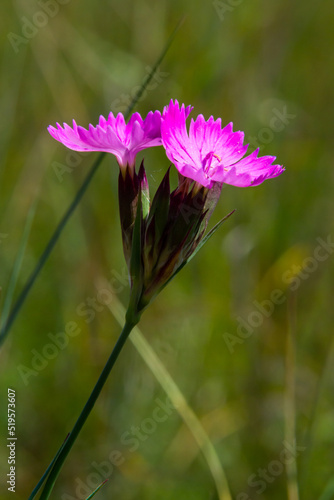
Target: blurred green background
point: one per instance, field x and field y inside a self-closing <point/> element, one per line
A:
<point x="266" y="66"/>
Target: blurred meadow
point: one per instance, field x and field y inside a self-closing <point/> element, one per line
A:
<point x="246" y="329"/>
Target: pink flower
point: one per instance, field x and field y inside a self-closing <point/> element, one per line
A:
<point x="124" y="140"/>
<point x="210" y="154"/>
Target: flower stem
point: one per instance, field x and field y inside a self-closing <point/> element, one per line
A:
<point x="129" y="324"/>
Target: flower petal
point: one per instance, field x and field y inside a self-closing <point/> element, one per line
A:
<point x="210" y="154"/>
<point x="250" y="171"/>
<point x="113" y="135"/>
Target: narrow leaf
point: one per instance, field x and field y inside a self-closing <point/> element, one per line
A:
<point x="97" y="489"/>
<point x="46" y="473"/>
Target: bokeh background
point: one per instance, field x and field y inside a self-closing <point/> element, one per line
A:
<point x="259" y="380"/>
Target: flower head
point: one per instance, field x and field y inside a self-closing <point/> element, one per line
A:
<point x="210" y="154"/>
<point x="114" y="135"/>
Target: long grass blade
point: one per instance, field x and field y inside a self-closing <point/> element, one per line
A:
<point x="17" y="267"/>
<point x="309" y="439"/>
<point x="328" y="493"/>
<point x="59" y="229"/>
<point x="150" y="75"/>
<point x="174" y="393"/>
<point x="290" y="410"/>
<point x="48" y="249"/>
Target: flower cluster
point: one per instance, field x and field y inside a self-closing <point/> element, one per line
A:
<point x="160" y="237"/>
<point x="207" y="154"/>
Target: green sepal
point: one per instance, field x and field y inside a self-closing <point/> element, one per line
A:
<point x="208" y="236"/>
<point x="167" y="263"/>
<point x="144" y="189"/>
<point x="211" y="201"/>
<point x="199" y="246"/>
<point x="160" y="208"/>
<point x="136" y="268"/>
<point x="128" y="189"/>
<point x="156" y="222"/>
<point x="186" y="210"/>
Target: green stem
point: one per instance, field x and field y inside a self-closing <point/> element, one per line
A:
<point x="129" y="324"/>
